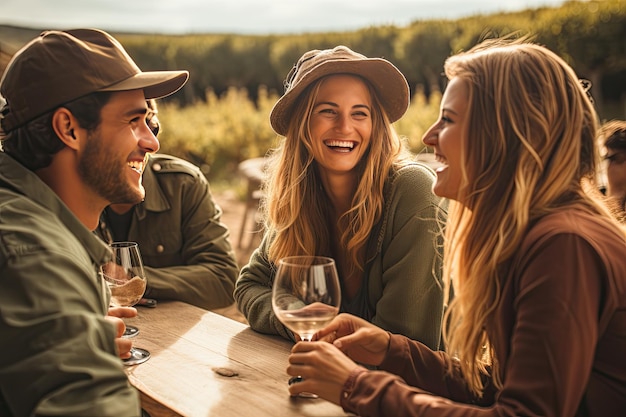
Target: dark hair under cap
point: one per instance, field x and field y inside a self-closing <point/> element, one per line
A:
<point x="60" y="66"/>
<point x="614" y="133"/>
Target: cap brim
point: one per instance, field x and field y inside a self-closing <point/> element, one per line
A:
<point x="155" y="84"/>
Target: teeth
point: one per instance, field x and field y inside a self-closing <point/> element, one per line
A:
<point x="136" y="165"/>
<point x="340" y="143"/>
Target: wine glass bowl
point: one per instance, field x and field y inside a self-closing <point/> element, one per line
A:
<point x="126" y="279"/>
<point x="306" y="296"/>
<point x="125" y="275"/>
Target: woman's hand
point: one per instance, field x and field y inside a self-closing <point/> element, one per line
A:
<point x="362" y="341"/>
<point x="115" y="315"/>
<point x="324" y="369"/>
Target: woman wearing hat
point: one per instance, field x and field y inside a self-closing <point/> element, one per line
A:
<point x="341" y="185"/>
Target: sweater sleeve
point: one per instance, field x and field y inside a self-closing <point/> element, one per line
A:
<point x="253" y="293"/>
<point x="411" y="293"/>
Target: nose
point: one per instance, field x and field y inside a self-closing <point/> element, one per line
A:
<point x="430" y="137"/>
<point x="148" y="142"/>
<point x="344" y="123"/>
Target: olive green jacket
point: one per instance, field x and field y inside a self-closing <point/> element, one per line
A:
<point x="402" y="272"/>
<point x="185" y="247"/>
<point x="57" y="351"/>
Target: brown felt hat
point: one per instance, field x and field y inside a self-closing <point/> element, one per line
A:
<point x="389" y="83"/>
<point x="61" y="66"/>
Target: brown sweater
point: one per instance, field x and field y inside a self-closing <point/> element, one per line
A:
<point x="559" y="335"/>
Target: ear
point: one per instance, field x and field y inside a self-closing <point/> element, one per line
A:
<point x="66" y="127"/>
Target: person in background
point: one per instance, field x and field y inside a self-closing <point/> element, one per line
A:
<point x="613" y="137"/>
<point x="75" y="139"/>
<point x="537" y="326"/>
<point x="185" y="248"/>
<point x="341" y="184"/>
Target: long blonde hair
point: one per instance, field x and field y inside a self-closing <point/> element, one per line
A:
<point x="530" y="151"/>
<point x="296" y="205"/>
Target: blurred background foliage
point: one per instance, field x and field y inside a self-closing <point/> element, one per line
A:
<point x="221" y="117"/>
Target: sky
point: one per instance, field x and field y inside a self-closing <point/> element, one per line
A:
<point x="256" y="17"/>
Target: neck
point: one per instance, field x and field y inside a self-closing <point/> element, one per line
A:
<point x="121" y="208"/>
<point x="340" y="190"/>
<point x="63" y="178"/>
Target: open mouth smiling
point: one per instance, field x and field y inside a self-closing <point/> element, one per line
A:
<point x="136" y="166"/>
<point x="340" y="145"/>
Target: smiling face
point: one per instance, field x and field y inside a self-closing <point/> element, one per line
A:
<point x="448" y="136"/>
<point x="341" y="123"/>
<point x="113" y="158"/>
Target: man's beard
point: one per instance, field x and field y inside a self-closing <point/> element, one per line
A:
<point x="105" y="175"/>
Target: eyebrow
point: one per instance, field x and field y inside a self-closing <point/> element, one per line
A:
<point x="449" y="110"/>
<point x="330" y="103"/>
<point x="136" y="111"/>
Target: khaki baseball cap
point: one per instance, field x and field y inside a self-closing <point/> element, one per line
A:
<point x="61" y="66"/>
<point x="389" y="83"/>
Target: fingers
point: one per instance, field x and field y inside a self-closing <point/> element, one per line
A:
<point x="344" y="343"/>
<point x="120" y="327"/>
<point x="331" y="328"/>
<point x="305" y="347"/>
<point x="122" y="312"/>
<point x="322" y="367"/>
<point x="342" y="324"/>
<point x="329" y="338"/>
<point x="123" y="347"/>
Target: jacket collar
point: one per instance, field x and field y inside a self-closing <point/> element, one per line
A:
<point x="155" y="199"/>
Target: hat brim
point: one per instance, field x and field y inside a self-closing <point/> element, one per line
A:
<point x="388" y="82"/>
<point x="155" y="84"/>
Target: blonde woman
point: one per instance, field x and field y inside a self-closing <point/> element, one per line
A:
<point x="342" y="185"/>
<point x="538" y="323"/>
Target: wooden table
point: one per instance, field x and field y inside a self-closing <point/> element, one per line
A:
<point x="204" y="364"/>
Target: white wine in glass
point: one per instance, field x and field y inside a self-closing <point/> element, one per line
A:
<point x="126" y="279"/>
<point x="306" y="296"/>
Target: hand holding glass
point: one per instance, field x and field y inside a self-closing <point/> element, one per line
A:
<point x="127" y="281"/>
<point x="306" y="295"/>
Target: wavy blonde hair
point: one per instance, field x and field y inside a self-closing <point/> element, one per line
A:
<point x="296" y="204"/>
<point x="530" y="152"/>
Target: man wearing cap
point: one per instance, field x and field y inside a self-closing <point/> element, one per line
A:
<point x="74" y="138"/>
<point x="613" y="140"/>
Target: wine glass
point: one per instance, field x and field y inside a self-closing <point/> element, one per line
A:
<point x="127" y="281"/>
<point x="306" y="296"/>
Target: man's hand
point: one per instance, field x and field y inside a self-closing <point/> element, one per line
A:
<point x="115" y="315"/>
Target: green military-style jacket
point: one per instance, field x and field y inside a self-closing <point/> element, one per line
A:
<point x="184" y="245"/>
<point x="57" y="352"/>
<point x="403" y="286"/>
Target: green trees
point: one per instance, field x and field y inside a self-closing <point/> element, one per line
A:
<point x="589" y="34"/>
<point x="221" y="116"/>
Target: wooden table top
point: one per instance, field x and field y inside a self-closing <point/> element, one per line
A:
<point x="204" y="364"/>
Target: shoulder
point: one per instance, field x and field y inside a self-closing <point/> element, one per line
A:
<point x="27" y="227"/>
<point x="168" y="164"/>
<point x="415" y="174"/>
<point x="596" y="231"/>
<point x="572" y="221"/>
<point x="412" y="182"/>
